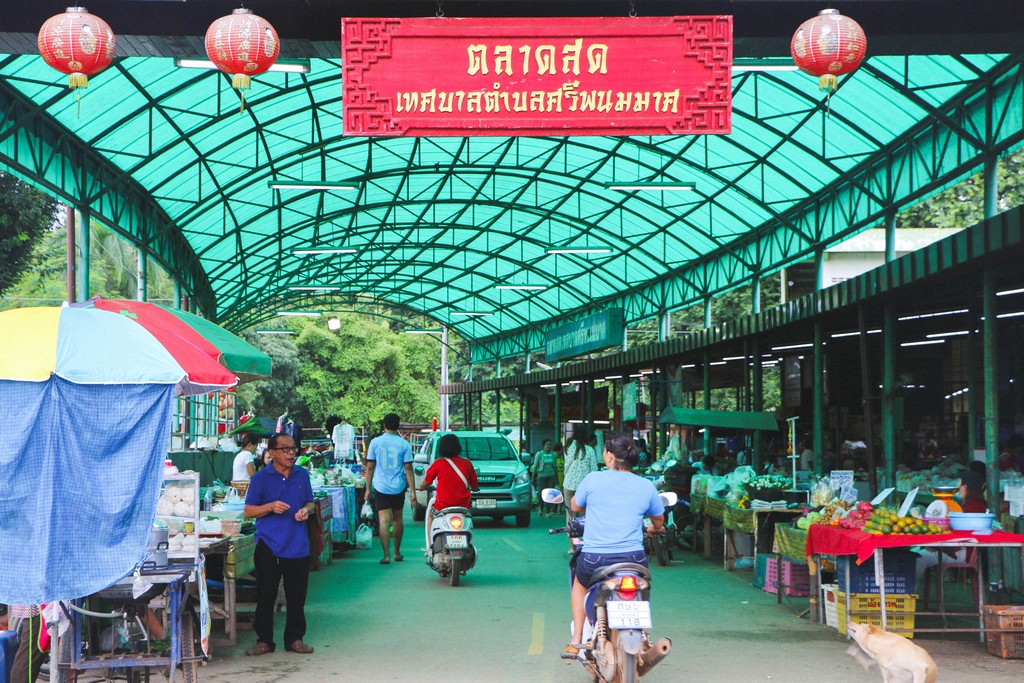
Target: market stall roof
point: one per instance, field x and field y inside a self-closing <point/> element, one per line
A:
<point x="719" y="419"/>
<point x="163" y="155"/>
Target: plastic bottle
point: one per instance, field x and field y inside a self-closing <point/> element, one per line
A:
<point x="208" y="500"/>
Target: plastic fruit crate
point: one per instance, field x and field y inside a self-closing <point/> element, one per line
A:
<point x="761" y="563"/>
<point x="1005" y="645"/>
<point x="796" y="581"/>
<point x="828" y="599"/>
<point x="899" y="573"/>
<point x="867" y="608"/>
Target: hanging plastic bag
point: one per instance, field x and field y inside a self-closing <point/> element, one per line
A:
<point x="364" y="537"/>
<point x="366" y="512"/>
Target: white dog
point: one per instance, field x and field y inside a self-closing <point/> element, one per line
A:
<point x="900" y="660"/>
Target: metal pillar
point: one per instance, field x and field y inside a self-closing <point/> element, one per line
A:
<point x="867" y="396"/>
<point x="497" y="410"/>
<point x="707" y="311"/>
<point x="889" y="346"/>
<point x="559" y="432"/>
<point x="890" y="235"/>
<point x="757" y="401"/>
<point x="818" y="401"/>
<point x="177" y="294"/>
<point x="82" y="268"/>
<point x="707" y="398"/>
<point x="755" y="295"/>
<point x="444" y="377"/>
<point x="143" y="274"/>
<point x="69" y="223"/>
<point x="819" y="272"/>
<point x="990" y="362"/>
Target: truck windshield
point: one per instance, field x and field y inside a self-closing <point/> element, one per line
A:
<point x="487" y="449"/>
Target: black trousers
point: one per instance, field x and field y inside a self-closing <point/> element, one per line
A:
<point x="24" y="671"/>
<point x="270" y="569"/>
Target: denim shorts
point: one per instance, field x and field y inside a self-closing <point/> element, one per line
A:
<point x="589" y="563"/>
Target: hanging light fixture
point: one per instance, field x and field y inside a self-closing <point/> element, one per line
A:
<point x="78" y="44"/>
<point x="243" y="45"/>
<point x="828" y="46"/>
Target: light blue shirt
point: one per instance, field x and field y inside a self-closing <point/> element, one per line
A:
<point x="616" y="503"/>
<point x="390" y="452"/>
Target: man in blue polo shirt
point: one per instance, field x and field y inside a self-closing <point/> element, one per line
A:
<point x="280" y="499"/>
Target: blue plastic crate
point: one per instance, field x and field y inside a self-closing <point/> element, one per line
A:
<point x="899" y="573"/>
<point x="8" y="648"/>
<point x="761" y="567"/>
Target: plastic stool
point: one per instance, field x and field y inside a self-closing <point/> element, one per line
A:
<point x="969" y="567"/>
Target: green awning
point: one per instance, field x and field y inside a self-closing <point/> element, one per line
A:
<point x="720" y="419"/>
<point x="237" y="355"/>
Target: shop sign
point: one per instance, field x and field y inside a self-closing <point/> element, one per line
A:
<point x="537" y="76"/>
<point x="589" y="334"/>
<point x="629" y="401"/>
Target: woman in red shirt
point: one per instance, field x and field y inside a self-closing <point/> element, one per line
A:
<point x="455" y="478"/>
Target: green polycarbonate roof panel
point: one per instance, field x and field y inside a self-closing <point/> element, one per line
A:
<point x="438" y="223"/>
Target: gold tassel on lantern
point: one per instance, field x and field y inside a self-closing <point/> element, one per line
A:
<point x="240" y="82"/>
<point x="78" y="80"/>
<point x="828" y="83"/>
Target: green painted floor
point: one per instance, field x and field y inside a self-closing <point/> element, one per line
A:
<point x="509" y="620"/>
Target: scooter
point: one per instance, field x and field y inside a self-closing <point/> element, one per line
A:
<point x="616" y="643"/>
<point x="450" y="550"/>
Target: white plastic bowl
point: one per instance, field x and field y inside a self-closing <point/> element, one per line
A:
<point x="978" y="522"/>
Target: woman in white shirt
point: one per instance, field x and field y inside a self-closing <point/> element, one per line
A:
<point x="244" y="466"/>
<point x="580" y="460"/>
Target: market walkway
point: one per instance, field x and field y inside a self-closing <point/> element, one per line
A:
<point x="509" y="619"/>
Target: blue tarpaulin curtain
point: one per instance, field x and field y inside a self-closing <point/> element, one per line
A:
<point x="80" y="474"/>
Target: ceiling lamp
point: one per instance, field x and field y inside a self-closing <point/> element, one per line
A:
<point x="644" y="186"/>
<point x="78" y="44"/>
<point x="243" y="45"/>
<point x="333" y="324"/>
<point x="827" y="46"/>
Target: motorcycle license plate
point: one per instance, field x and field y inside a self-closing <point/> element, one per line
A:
<point x="486" y="503"/>
<point x="456" y="541"/>
<point x="632" y="614"/>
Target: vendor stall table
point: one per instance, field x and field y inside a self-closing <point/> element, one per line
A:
<point x="760" y="523"/>
<point x="828" y="540"/>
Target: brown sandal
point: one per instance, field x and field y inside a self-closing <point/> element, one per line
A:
<point x="259" y="649"/>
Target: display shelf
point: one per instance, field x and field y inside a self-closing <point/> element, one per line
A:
<point x="177" y="489"/>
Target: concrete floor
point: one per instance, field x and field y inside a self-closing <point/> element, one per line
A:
<point x="509" y="620"/>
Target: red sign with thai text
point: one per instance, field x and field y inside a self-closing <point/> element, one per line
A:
<point x="531" y="76"/>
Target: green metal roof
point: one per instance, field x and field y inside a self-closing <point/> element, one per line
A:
<point x="163" y="154"/>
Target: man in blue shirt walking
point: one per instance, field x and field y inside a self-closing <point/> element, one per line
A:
<point x="280" y="498"/>
<point x="388" y="477"/>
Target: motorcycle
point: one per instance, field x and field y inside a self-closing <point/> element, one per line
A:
<point x="450" y="550"/>
<point x="659" y="545"/>
<point x="616" y="643"/>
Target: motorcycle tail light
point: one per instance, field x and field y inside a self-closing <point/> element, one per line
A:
<point x="627" y="588"/>
<point x="456" y="523"/>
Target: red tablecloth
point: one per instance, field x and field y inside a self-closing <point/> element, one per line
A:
<point x="831" y="540"/>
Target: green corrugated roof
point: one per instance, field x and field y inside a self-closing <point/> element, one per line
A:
<point x="719" y="419"/>
<point x="437" y="223"/>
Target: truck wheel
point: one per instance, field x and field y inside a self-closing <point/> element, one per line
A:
<point x="419" y="512"/>
<point x="523" y="519"/>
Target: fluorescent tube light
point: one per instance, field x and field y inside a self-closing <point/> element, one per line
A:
<point x="690" y="365"/>
<point x="542" y="366"/>
<point x="735" y="358"/>
<point x="333" y="324"/>
<point x="839" y="335"/>
<point x="314" y="289"/>
<point x="611" y="377"/>
<point x="1010" y="315"/>
<point x="937" y="314"/>
<point x="792" y="346"/>
<point x="306" y="314"/>
<point x="743" y="64"/>
<point x="1007" y="292"/>
<point x="526" y="288"/>
<point x="320" y="252"/>
<point x="423" y="331"/>
<point x="641" y="186"/>
<point x="958" y="333"/>
<point x="275" y="331"/>
<point x="471" y="314"/>
<point x="580" y="250"/>
<point x="548" y="386"/>
<point x="295" y="66"/>
<point x="924" y="343"/>
<point x="309" y="185"/>
<point x="721" y="362"/>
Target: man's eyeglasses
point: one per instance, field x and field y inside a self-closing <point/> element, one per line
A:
<point x="287" y="449"/>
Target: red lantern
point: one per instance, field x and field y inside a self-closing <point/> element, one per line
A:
<point x="827" y="46"/>
<point x="243" y="45"/>
<point x="77" y="43"/>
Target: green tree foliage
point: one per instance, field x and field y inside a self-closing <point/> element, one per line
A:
<point x="25" y="215"/>
<point x="276" y="394"/>
<point x="362" y="372"/>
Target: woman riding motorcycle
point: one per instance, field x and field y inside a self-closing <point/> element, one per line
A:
<point x="615" y="501"/>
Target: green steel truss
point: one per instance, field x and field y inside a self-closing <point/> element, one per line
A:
<point x="164" y="156"/>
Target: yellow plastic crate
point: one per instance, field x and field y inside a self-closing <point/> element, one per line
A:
<point x="870" y="608"/>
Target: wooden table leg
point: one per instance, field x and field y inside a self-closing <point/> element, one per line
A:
<point x="707" y="537"/>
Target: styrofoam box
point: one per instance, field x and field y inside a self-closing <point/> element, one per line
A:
<point x="828" y="599"/>
<point x="1017" y="509"/>
<point x="1014" y="493"/>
